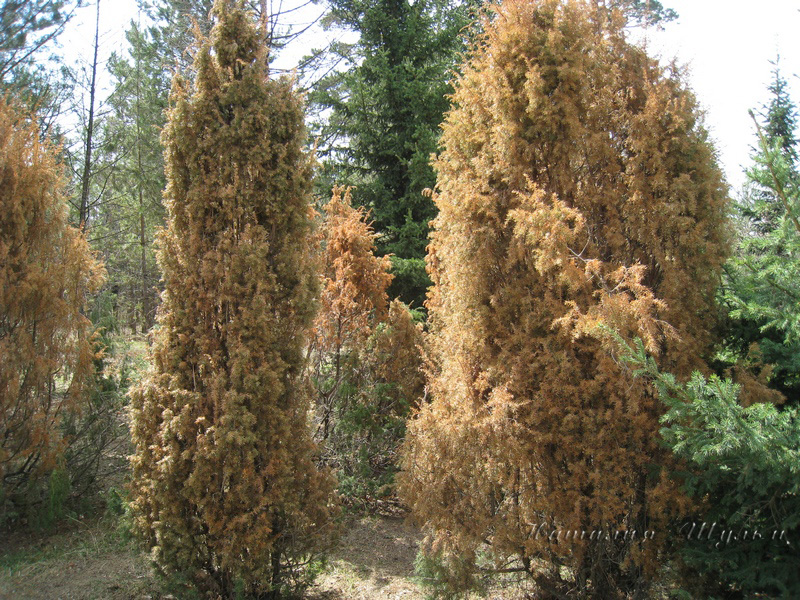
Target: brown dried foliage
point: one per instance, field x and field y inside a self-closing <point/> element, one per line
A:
<point x="46" y="273"/>
<point x="576" y="188"/>
<point x="354" y="301"/>
<point x="397" y="360"/>
<point x="365" y="356"/>
<point x="225" y="488"/>
<point x="354" y="280"/>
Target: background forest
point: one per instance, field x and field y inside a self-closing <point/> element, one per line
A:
<point x="477" y="266"/>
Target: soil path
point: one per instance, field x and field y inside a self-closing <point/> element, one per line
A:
<point x="374" y="559"/>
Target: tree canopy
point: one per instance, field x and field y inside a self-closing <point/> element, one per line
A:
<point x="385" y="111"/>
<point x="47" y="273"/>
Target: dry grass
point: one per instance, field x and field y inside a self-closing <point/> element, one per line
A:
<point x="90" y="561"/>
<point x="86" y="560"/>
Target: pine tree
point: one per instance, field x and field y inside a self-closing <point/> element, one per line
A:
<point x="576" y="188"/>
<point x="225" y="487"/>
<point x="354" y="280"/>
<point x="175" y="24"/>
<point x="46" y="273"/>
<point x="133" y="161"/>
<point x="28" y="29"/>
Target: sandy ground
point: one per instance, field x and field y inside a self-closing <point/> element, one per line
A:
<point x="374" y="559"/>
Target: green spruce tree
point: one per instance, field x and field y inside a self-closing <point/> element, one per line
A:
<point x="741" y="464"/>
<point x="385" y="112"/>
<point x="761" y="290"/>
<point x="761" y="206"/>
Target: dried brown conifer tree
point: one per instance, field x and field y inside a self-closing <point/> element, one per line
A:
<point x="395" y="356"/>
<point x="225" y="487"/>
<point x="354" y="301"/>
<point x="46" y="273"/>
<point x="365" y="357"/>
<point x="576" y="188"/>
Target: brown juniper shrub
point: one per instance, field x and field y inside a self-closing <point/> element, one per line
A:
<point x="576" y="188"/>
<point x="47" y="272"/>
<point x="364" y="358"/>
<point x="225" y="488"/>
<point x="397" y="360"/>
<point x="354" y="299"/>
<point x="393" y="358"/>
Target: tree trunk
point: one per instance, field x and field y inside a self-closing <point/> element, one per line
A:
<point x="83" y="215"/>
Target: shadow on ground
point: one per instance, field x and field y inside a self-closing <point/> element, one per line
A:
<point x="374" y="559"/>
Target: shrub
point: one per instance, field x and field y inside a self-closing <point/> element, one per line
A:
<point x="225" y="489"/>
<point x="365" y="357"/>
<point x="47" y="272"/>
<point x="576" y="186"/>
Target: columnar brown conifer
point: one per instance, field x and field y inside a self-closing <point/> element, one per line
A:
<point x="576" y="188"/>
<point x="354" y="280"/>
<point x="46" y="273"/>
<point x="225" y="488"/>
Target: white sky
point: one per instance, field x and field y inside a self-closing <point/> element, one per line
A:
<point x="726" y="44"/>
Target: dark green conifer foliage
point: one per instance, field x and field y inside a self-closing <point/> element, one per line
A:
<point x="175" y="24"/>
<point x="225" y="488"/>
<point x="761" y="206"/>
<point x="761" y="290"/>
<point x="126" y="226"/>
<point x="385" y="116"/>
<point x="742" y="465"/>
<point x="781" y="115"/>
